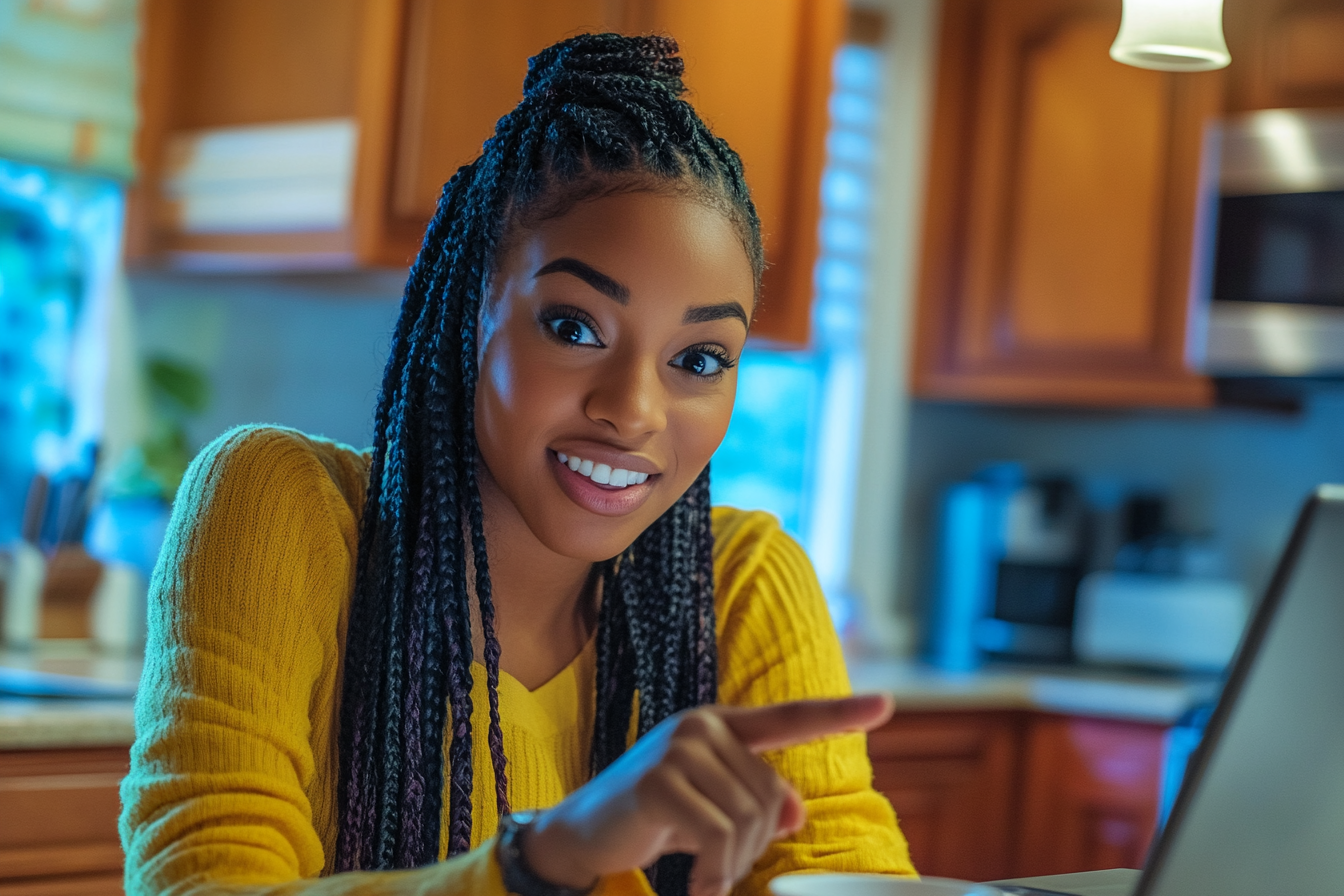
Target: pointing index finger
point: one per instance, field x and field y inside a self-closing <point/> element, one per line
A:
<point x="762" y="728"/>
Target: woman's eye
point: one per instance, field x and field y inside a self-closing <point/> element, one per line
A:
<point x="701" y="362"/>
<point x="574" y="332"/>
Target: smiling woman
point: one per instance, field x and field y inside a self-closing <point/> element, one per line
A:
<point x="597" y="342"/>
<point x="527" y="553"/>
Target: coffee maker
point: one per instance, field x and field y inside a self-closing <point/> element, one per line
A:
<point x="1011" y="551"/>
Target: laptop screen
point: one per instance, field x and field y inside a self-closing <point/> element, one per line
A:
<point x="1262" y="809"/>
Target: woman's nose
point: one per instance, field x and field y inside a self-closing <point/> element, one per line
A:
<point x="628" y="396"/>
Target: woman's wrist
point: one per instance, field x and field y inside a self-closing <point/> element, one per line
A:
<point x="543" y="847"/>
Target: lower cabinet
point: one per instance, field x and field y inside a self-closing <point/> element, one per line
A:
<point x="58" y="822"/>
<point x="1090" y="796"/>
<point x="952" y="777"/>
<point x="997" y="794"/>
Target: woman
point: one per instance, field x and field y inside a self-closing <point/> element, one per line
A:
<point x="560" y="374"/>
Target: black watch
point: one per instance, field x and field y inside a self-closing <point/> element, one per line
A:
<point x="519" y="878"/>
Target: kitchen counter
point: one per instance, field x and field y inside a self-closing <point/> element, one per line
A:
<point x="29" y="723"/>
<point x="64" y="696"/>
<point x="1103" y="693"/>
<point x="69" y="699"/>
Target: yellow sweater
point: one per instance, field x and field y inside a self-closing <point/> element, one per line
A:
<point x="234" y="769"/>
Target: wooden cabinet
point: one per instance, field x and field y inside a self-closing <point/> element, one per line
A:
<point x="436" y="75"/>
<point x="423" y="81"/>
<point x="1061" y="213"/>
<point x="58" y="822"/>
<point x="952" y="778"/>
<point x="998" y="794"/>
<point x="1285" y="54"/>
<point x="1090" y="794"/>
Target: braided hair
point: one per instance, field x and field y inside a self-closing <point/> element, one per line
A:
<point x="600" y="114"/>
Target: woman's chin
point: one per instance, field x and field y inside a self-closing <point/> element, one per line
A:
<point x="589" y="547"/>
<point x="590" y="540"/>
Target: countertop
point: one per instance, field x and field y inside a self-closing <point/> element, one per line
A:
<point x="1077" y="690"/>
<point x="66" y="697"/>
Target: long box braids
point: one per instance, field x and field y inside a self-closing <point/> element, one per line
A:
<point x="601" y="113"/>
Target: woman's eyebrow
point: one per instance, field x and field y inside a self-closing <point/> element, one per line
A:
<point x="612" y="289"/>
<point x="703" y="313"/>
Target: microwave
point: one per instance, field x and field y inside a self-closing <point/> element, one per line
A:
<point x="1274" y="273"/>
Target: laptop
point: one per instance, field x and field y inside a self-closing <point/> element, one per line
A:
<point x="1261" y="809"/>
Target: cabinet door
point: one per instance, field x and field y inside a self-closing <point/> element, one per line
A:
<point x="1061" y="213"/>
<point x="58" y="827"/>
<point x="1090" y="795"/>
<point x="951" y="777"/>
<point x="1285" y="53"/>
<point x="757" y="70"/>
<point x="207" y="64"/>
<point x="436" y="76"/>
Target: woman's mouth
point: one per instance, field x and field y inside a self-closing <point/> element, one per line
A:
<point x="602" y="474"/>
<point x="599" y="487"/>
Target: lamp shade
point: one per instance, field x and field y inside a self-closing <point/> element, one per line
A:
<point x="1172" y="35"/>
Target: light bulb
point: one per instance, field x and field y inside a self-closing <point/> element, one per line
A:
<point x="1172" y="35"/>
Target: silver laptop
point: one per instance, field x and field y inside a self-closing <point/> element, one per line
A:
<point x="1261" y="810"/>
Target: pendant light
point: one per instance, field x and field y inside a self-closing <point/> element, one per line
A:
<point x="1172" y="35"/>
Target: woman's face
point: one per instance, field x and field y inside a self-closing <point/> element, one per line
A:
<point x="607" y="353"/>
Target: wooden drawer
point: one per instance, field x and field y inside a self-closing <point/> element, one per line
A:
<point x="58" y="821"/>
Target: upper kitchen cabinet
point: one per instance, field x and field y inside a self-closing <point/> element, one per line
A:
<point x="317" y="134"/>
<point x="1061" y="213"/>
<point x="759" y="72"/>
<point x="1285" y="54"/>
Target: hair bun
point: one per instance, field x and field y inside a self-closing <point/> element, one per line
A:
<point x="652" y="57"/>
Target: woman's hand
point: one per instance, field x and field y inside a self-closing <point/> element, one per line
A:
<point x="694" y="784"/>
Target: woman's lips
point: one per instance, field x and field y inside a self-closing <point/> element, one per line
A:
<point x="606" y="500"/>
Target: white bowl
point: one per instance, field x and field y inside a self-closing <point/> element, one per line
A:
<point x="804" y="884"/>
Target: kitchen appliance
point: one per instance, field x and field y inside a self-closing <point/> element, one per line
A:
<point x="1176" y="622"/>
<point x="1010" y="555"/>
<point x="1275" y="275"/>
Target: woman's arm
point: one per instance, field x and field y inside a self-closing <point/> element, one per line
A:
<point x="232" y="780"/>
<point x="695" y="783"/>
<point x="777" y="643"/>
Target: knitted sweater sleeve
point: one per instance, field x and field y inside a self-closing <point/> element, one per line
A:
<point x="247" y="612"/>
<point x="777" y="643"/>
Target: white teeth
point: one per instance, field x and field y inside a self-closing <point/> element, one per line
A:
<point x="602" y="474"/>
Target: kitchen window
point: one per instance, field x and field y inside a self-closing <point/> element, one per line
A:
<point x="792" y="446"/>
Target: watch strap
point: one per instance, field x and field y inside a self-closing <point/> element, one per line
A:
<point x="519" y="878"/>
